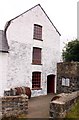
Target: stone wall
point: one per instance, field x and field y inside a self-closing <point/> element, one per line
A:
<point x="13" y="105"/>
<point x="67" y="77"/>
<point x="62" y="103"/>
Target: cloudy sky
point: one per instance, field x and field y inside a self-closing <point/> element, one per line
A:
<point x="63" y="13"/>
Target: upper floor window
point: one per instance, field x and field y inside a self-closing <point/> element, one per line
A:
<point x="36" y="56"/>
<point x="37" y="32"/>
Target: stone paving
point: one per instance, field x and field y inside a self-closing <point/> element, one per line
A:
<point x="39" y="106"/>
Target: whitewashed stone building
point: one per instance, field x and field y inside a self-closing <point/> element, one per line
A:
<point x="34" y="50"/>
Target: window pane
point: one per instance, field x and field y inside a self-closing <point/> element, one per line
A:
<point x="63" y="81"/>
<point x="36" y="79"/>
<point x="67" y="81"/>
<point x="37" y="32"/>
<point x="36" y="56"/>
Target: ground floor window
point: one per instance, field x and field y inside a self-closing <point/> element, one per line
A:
<point x="36" y="80"/>
<point x="65" y="81"/>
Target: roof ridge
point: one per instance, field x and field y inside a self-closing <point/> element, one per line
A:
<point x="50" y="20"/>
<point x="31" y="9"/>
<point x="25" y="12"/>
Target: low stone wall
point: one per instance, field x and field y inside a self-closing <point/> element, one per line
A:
<point x="13" y="105"/>
<point x="62" y="103"/>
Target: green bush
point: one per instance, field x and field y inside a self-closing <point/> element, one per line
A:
<point x="74" y="113"/>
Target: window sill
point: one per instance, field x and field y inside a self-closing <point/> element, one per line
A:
<point x="37" y="39"/>
<point x="65" y="86"/>
<point x="36" y="88"/>
<point x="36" y="64"/>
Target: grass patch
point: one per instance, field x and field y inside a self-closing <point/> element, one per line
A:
<point x="74" y="112"/>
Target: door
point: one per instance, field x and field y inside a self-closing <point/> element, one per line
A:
<point x="50" y="83"/>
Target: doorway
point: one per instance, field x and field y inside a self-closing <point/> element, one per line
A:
<point x="50" y="83"/>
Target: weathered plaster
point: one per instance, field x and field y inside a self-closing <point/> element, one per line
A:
<point x="3" y="71"/>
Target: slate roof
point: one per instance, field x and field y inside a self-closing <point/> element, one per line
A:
<point x="8" y="23"/>
<point x="3" y="42"/>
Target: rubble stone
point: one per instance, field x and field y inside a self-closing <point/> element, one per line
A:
<point x="14" y="105"/>
<point x="62" y="105"/>
<point x="68" y="70"/>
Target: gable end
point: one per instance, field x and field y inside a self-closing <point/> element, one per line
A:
<point x="29" y="10"/>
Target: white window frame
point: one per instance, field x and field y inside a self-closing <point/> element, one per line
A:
<point x="65" y="81"/>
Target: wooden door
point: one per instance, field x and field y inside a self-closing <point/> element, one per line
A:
<point x="50" y="83"/>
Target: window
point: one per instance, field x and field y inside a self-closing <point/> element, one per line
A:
<point x="37" y="32"/>
<point x="36" y="80"/>
<point x="65" y="81"/>
<point x="36" y="57"/>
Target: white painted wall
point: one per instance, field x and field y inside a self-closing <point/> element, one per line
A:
<point x="3" y="72"/>
<point x="21" y="42"/>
